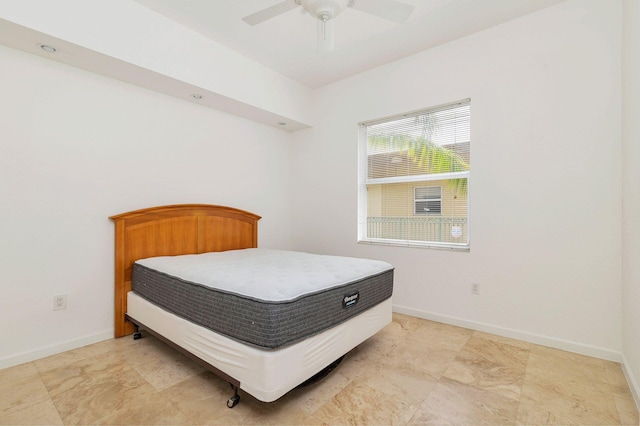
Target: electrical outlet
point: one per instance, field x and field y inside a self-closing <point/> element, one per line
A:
<point x="59" y="302"/>
<point x="475" y="288"/>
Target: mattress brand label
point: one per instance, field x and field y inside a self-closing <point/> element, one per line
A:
<point x="350" y="299"/>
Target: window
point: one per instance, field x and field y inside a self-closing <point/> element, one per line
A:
<point x="427" y="199"/>
<point x="414" y="172"/>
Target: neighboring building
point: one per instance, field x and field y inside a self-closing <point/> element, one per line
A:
<point x="419" y="210"/>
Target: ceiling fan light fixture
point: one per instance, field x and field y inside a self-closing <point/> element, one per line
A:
<point x="325" y="12"/>
<point x="324" y="9"/>
<point x="324" y="16"/>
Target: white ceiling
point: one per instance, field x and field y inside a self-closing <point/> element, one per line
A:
<point x="157" y="44"/>
<point x="287" y="43"/>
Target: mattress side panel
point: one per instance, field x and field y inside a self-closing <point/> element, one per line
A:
<point x="261" y="323"/>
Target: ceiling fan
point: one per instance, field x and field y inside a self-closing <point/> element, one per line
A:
<point x="327" y="10"/>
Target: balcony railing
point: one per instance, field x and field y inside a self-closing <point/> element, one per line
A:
<point x="440" y="229"/>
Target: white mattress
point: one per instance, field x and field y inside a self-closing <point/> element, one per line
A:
<point x="265" y="374"/>
<point x="264" y="274"/>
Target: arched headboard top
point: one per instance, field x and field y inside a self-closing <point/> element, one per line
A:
<point x="174" y="230"/>
<point x="186" y="209"/>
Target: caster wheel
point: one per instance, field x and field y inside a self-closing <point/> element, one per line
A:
<point x="137" y="336"/>
<point x="233" y="401"/>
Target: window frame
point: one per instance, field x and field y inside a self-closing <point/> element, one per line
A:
<point x="364" y="182"/>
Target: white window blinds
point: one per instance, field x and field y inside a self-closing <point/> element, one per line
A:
<point x="414" y="177"/>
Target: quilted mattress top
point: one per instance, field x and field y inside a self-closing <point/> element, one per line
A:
<point x="265" y="274"/>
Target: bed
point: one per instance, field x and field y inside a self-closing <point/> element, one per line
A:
<point x="266" y="321"/>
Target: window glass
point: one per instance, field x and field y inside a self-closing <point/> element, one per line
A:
<point x="414" y="173"/>
<point x="428" y="200"/>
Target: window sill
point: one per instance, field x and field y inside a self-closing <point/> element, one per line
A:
<point x="399" y="243"/>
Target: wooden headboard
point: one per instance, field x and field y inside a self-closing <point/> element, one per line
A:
<point x="174" y="230"/>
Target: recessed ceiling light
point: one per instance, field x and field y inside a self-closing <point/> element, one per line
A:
<point x="196" y="96"/>
<point x="47" y="48"/>
<point x="282" y="123"/>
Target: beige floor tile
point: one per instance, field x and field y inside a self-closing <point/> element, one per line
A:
<point x="496" y="379"/>
<point x="112" y="345"/>
<point x="161" y="365"/>
<point x="531" y="414"/>
<point x="617" y="380"/>
<point x="565" y="413"/>
<point x="362" y="365"/>
<point x="381" y="396"/>
<point x="145" y="407"/>
<point x="279" y="412"/>
<point x="407" y="322"/>
<point x="83" y="374"/>
<point x="565" y="369"/>
<point x="500" y="339"/>
<point x="389" y="337"/>
<point x="627" y="410"/>
<point x="17" y="372"/>
<point x="557" y="355"/>
<point x="79" y="354"/>
<point x="62" y="359"/>
<point x="385" y="341"/>
<point x="422" y="357"/>
<point x="494" y="352"/>
<point x="452" y="402"/>
<point x="566" y="397"/>
<point x="40" y="413"/>
<point x="388" y="400"/>
<point x="90" y="389"/>
<point x="441" y="335"/>
<point x="412" y="387"/>
<point x="364" y="359"/>
<point x="309" y="398"/>
<point x="490" y="365"/>
<point x="203" y="399"/>
<point x="59" y="360"/>
<point x="20" y="387"/>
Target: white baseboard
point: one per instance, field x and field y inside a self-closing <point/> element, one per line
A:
<point x="631" y="381"/>
<point x="54" y="349"/>
<point x="589" y="350"/>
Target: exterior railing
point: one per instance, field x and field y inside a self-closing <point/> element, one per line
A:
<point x="429" y="229"/>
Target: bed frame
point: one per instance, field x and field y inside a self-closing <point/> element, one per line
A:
<point x="174" y="230"/>
<point x="169" y="231"/>
<point x="188" y="229"/>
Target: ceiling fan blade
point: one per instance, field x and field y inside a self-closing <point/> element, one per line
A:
<point x="270" y="12"/>
<point x="388" y="9"/>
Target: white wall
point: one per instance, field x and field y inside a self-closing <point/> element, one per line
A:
<point x="76" y="148"/>
<point x="631" y="196"/>
<point x="546" y="216"/>
<point x="146" y="40"/>
<point x="545" y="187"/>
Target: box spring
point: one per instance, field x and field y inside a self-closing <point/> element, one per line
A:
<point x="267" y="374"/>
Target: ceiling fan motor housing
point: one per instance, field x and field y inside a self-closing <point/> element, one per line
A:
<point x="325" y="9"/>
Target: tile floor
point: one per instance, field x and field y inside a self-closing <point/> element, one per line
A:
<point x="413" y="372"/>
